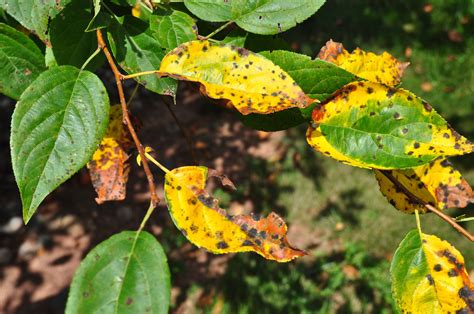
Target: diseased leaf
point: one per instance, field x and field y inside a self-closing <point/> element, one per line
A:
<point x="436" y="183"/>
<point x="318" y="79"/>
<point x="109" y="166"/>
<point x="264" y="17"/>
<point x="384" y="68"/>
<point x="249" y="81"/>
<point x="56" y="127"/>
<point x="33" y="14"/>
<point x="198" y="216"/>
<point x="71" y="44"/>
<point x="428" y="276"/>
<point x="370" y="125"/>
<point x="136" y="50"/>
<point x="21" y="61"/>
<point x="127" y="273"/>
<point x="172" y="28"/>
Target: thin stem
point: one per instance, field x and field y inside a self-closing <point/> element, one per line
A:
<point x="126" y="118"/>
<point x="418" y="223"/>
<point x="146" y="217"/>
<point x="218" y="30"/>
<point x="431" y="208"/>
<point x="450" y="221"/>
<point x="134" y="92"/>
<point x="186" y="136"/>
<point x="153" y="160"/>
<point x="129" y="76"/>
<point x="90" y="58"/>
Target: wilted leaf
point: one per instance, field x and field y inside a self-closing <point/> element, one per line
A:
<point x="21" y="61"/>
<point x="127" y="273"/>
<point x="251" y="82"/>
<point x="56" y="127"/>
<point x="200" y="219"/>
<point x="33" y="14"/>
<point x="172" y="28"/>
<point x="428" y="276"/>
<point x="260" y="17"/>
<point x="136" y="50"/>
<point x="109" y="166"/>
<point x="384" y="68"/>
<point x="371" y="125"/>
<point x="436" y="183"/>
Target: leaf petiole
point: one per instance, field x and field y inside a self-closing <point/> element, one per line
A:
<point x="153" y="160"/>
<point x="90" y="58"/>
<point x="218" y="30"/>
<point x="126" y="77"/>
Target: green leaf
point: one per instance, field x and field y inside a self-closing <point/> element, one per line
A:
<point x="127" y="273"/>
<point x="428" y="276"/>
<point x="260" y="16"/>
<point x="318" y="79"/>
<point x="210" y="10"/>
<point x="21" y="61"/>
<point x="71" y="44"/>
<point x="370" y="125"/>
<point x="236" y="39"/>
<point x="35" y="15"/>
<point x="56" y="127"/>
<point x="99" y="21"/>
<point x="136" y="50"/>
<point x="172" y="28"/>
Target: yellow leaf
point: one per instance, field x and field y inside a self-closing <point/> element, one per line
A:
<point x="252" y="83"/>
<point x="428" y="276"/>
<point x="384" y="68"/>
<point x="370" y="125"/>
<point x="436" y="183"/>
<point x="200" y="219"/>
<point x="109" y="166"/>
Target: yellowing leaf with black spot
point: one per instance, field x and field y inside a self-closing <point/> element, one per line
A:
<point x="370" y="125"/>
<point x="436" y="183"/>
<point x="252" y="83"/>
<point x="383" y="68"/>
<point x="428" y="276"/>
<point x="109" y="165"/>
<point x="198" y="216"/>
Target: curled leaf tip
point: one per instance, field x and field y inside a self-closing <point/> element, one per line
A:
<point x="383" y="68"/>
<point x="198" y="215"/>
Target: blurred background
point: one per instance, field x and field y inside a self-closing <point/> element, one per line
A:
<point x="335" y="212"/>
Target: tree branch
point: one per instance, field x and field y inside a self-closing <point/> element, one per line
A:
<point x="126" y="118"/>
<point x="429" y="207"/>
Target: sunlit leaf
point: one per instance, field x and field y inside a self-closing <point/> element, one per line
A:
<point x="137" y="50"/>
<point x="318" y="79"/>
<point x="198" y="216"/>
<point x="436" y="183"/>
<point x="249" y="81"/>
<point x="172" y="28"/>
<point x="56" y="127"/>
<point x="383" y="68"/>
<point x="21" y="61"/>
<point x="127" y="273"/>
<point x="428" y="276"/>
<point x="260" y="16"/>
<point x="109" y="166"/>
<point x="33" y="14"/>
<point x="371" y="125"/>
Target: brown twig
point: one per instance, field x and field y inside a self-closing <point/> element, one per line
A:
<point x="126" y="118"/>
<point x="430" y="207"/>
<point x="186" y="136"/>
